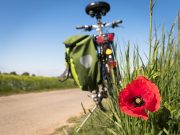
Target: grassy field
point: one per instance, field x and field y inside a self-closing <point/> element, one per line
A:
<point x="14" y="84"/>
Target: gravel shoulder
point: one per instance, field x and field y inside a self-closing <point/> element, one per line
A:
<point x="40" y="113"/>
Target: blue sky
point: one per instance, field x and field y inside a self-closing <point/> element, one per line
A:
<point x="32" y="31"/>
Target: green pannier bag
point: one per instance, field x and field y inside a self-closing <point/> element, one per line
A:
<point x="82" y="61"/>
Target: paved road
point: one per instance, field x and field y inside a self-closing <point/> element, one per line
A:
<point x="40" y="113"/>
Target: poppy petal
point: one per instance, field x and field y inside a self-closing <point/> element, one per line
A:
<point x="143" y="88"/>
<point x="135" y="112"/>
<point x="150" y="94"/>
<point x="126" y="106"/>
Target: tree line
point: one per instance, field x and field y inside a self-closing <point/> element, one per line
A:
<point x="14" y="73"/>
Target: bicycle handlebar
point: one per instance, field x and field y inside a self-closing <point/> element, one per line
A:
<point x="85" y="27"/>
<point x="90" y="27"/>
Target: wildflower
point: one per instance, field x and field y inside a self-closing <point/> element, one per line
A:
<point x="138" y="96"/>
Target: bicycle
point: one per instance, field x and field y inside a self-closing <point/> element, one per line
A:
<point x="105" y="49"/>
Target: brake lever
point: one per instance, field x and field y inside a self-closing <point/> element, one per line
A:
<point x="116" y="23"/>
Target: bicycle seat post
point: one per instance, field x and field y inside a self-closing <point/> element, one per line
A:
<point x="99" y="23"/>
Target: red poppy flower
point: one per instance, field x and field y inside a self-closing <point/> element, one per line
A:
<point x="138" y="96"/>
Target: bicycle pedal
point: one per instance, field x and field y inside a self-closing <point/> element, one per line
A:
<point x="104" y="94"/>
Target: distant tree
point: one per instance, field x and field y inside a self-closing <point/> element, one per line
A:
<point x="33" y="75"/>
<point x="25" y="74"/>
<point x="0" y="73"/>
<point x="13" y="73"/>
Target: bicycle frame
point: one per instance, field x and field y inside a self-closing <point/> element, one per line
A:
<point x="105" y="50"/>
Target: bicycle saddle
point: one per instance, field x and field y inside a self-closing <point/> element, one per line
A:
<point x="97" y="9"/>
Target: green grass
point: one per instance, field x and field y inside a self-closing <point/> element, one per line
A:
<point x="163" y="68"/>
<point x="95" y="124"/>
<point x="14" y="84"/>
<point x="70" y="127"/>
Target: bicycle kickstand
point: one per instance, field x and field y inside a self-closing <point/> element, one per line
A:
<point x="88" y="116"/>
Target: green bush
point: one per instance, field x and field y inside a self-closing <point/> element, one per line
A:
<point x="11" y="84"/>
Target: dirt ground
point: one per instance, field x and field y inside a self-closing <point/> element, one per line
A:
<point x="40" y="113"/>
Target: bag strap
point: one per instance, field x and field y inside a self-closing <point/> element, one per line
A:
<point x="67" y="71"/>
<point x="65" y="74"/>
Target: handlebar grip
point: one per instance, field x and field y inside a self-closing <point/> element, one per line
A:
<point x="118" y="21"/>
<point x="80" y="27"/>
<point x="85" y="27"/>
